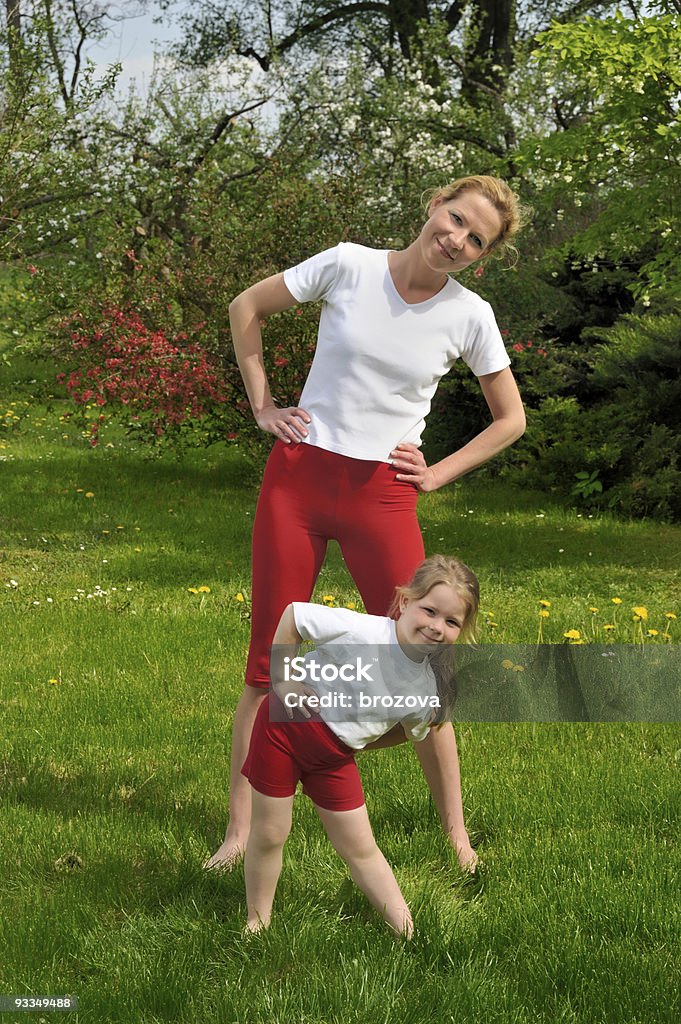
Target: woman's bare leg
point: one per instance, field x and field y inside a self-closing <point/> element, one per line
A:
<point x="351" y="835"/>
<point x="233" y="845"/>
<point x="270" y="826"/>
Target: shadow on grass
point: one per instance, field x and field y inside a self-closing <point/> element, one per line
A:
<point x="206" y="500"/>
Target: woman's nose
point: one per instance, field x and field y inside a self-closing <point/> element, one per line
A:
<point x="457" y="237"/>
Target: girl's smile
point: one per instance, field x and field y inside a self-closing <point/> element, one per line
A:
<point x="436" y="618"/>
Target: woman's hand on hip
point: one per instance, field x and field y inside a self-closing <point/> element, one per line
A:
<point x="286" y="424"/>
<point x="411" y="467"/>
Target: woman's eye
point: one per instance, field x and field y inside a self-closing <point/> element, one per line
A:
<point x="477" y="241"/>
<point x="456" y="217"/>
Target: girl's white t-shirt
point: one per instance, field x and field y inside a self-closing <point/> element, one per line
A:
<point x="379" y="359"/>
<point x="341" y="636"/>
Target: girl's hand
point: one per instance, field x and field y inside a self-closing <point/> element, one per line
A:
<point x="286" y="424"/>
<point x="411" y="466"/>
<point x="300" y="692"/>
<point x="466" y="855"/>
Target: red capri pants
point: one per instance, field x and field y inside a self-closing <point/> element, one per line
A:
<point x="283" y="753"/>
<point x="310" y="496"/>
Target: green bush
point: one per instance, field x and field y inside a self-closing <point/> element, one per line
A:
<point x="629" y="439"/>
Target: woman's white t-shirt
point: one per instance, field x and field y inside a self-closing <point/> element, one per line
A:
<point x="379" y="359"/>
<point x="340" y="636"/>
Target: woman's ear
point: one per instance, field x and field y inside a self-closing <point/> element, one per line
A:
<point x="434" y="203"/>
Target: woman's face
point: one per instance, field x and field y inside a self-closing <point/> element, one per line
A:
<point x="458" y="232"/>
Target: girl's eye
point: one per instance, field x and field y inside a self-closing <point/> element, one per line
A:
<point x="456" y="217"/>
<point x="477" y="241"/>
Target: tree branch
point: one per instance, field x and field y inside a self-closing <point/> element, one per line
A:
<point x="338" y="14"/>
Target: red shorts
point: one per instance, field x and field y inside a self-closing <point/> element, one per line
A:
<point x="282" y="754"/>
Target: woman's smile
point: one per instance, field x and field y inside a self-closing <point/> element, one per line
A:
<point x="444" y="251"/>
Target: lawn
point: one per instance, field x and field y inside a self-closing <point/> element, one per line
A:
<point x="124" y="617"/>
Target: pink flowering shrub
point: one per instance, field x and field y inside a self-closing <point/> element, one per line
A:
<point x="164" y="382"/>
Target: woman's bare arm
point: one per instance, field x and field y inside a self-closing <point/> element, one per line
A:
<point x="245" y="314"/>
<point x="508" y="424"/>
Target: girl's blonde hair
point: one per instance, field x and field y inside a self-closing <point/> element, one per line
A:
<point x="504" y="200"/>
<point x="451" y="572"/>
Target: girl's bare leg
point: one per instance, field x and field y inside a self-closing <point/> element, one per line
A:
<point x="351" y="835"/>
<point x="233" y="845"/>
<point x="270" y="826"/>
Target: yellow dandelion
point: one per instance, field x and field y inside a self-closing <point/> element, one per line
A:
<point x="640" y="612"/>
<point x="89" y="494"/>
<point x="351" y="605"/>
<point x="328" y="598"/>
<point x="106" y="531"/>
<point x="137" y="550"/>
<point x="652" y="632"/>
<point x="494" y="625"/>
<point x="518" y="668"/>
<point x="53" y="682"/>
<point x="593" y="610"/>
<point x="192" y="590"/>
<point x="616" y="600"/>
<point x="490" y="615"/>
<point x="239" y="597"/>
<point x="545" y="604"/>
<point x="544" y="614"/>
<point x="572" y="634"/>
<point x="575" y="643"/>
<point x="507" y="663"/>
<point x="669" y="615"/>
<point x="204" y="590"/>
<point x="609" y="627"/>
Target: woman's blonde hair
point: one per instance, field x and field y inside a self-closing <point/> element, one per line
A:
<point x="452" y="572"/>
<point x="504" y="200"/>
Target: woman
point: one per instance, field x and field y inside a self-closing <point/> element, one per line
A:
<point x="347" y="464"/>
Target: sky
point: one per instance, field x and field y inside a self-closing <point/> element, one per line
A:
<point x="133" y="42"/>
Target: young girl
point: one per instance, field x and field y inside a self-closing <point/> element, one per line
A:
<point x="435" y="608"/>
<point x="347" y="464"/>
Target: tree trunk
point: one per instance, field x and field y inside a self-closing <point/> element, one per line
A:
<point x="13" y="9"/>
<point x="14" y="16"/>
<point x="405" y="16"/>
<point x="489" y="55"/>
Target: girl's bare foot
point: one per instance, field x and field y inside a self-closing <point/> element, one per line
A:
<point x="254" y="926"/>
<point x="227" y="856"/>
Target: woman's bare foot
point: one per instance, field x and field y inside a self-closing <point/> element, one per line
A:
<point x="227" y="856"/>
<point x="233" y="847"/>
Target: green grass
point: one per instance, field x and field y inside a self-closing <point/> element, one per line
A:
<point x="113" y="777"/>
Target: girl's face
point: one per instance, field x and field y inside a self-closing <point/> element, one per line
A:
<point x="458" y="232"/>
<point x="437" y="618"/>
